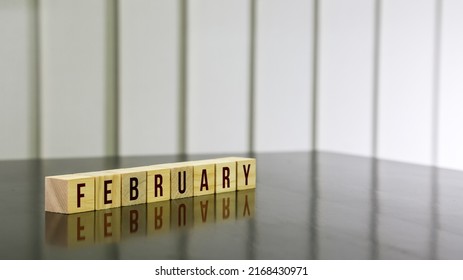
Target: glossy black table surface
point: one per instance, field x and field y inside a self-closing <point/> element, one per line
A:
<point x="305" y="206"/>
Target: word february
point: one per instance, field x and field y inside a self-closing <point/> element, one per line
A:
<point x="74" y="193"/>
<point x="152" y="219"/>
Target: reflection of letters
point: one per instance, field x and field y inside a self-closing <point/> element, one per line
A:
<point x="116" y="224"/>
<point x="204" y="210"/>
<point x="181" y="219"/>
<point x="80" y="228"/>
<point x="225" y="208"/>
<point x="246" y="211"/>
<point x="133" y="220"/>
<point x="245" y="204"/>
<point x="158" y="217"/>
<point x="75" y="230"/>
<point x="181" y="216"/>
<point x="107" y="224"/>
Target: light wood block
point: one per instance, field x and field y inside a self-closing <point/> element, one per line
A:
<point x="140" y="185"/>
<point x="181" y="180"/>
<point x="133" y="221"/>
<point x="69" y="193"/>
<point x="133" y="187"/>
<point x="181" y="213"/>
<point x="245" y="174"/>
<point x="225" y="176"/>
<point x="74" y="231"/>
<point x="245" y="204"/>
<point x="203" y="178"/>
<point x="108" y="225"/>
<point x="204" y="209"/>
<point x="107" y="189"/>
<point x="225" y="207"/>
<point x="158" y="184"/>
<point x="158" y="217"/>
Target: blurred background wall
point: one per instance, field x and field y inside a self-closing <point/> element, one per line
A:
<point x="91" y="78"/>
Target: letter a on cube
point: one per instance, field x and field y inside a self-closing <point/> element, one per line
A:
<point x="203" y="178"/>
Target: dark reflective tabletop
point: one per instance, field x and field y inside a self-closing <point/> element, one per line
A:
<point x="305" y="206"/>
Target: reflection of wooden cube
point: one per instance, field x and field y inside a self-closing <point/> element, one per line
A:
<point x="73" y="230"/>
<point x="225" y="207"/>
<point x="158" y="217"/>
<point x="70" y="193"/>
<point x="108" y="225"/>
<point x="181" y="214"/>
<point x="133" y="187"/>
<point x="133" y="221"/>
<point x="204" y="209"/>
<point x="245" y="204"/>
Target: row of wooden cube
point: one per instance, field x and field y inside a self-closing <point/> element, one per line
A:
<point x="117" y="224"/>
<point x="90" y="191"/>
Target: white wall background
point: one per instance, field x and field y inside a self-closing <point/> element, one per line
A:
<point x="345" y="96"/>
<point x="217" y="94"/>
<point x="18" y="80"/>
<point x="118" y="77"/>
<point x="405" y="116"/>
<point x="148" y="77"/>
<point x="283" y="75"/>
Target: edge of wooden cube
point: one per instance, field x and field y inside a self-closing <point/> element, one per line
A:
<point x="56" y="192"/>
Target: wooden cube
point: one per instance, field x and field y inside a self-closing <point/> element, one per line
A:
<point x="69" y="193"/>
<point x="245" y="174"/>
<point x="203" y="178"/>
<point x="107" y="189"/>
<point x="225" y="207"/>
<point x="133" y="221"/>
<point x="204" y="209"/>
<point x="158" y="185"/>
<point x="181" y="214"/>
<point x="133" y="186"/>
<point x="245" y="204"/>
<point x="75" y="230"/>
<point x="108" y="225"/>
<point x="158" y="217"/>
<point x="225" y="175"/>
<point x="181" y="179"/>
